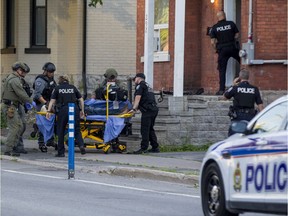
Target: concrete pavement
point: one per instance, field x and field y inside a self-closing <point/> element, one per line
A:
<point x="173" y="166"/>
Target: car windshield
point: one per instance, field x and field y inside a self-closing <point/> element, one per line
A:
<point x="275" y="119"/>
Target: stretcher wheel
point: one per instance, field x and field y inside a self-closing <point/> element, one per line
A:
<point x="106" y="149"/>
<point x="43" y="148"/>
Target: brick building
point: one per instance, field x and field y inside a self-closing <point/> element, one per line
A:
<point x="269" y="38"/>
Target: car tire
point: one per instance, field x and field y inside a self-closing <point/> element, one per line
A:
<point x="213" y="192"/>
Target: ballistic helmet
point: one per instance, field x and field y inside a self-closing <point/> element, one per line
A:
<point x="21" y="65"/>
<point x="111" y="73"/>
<point x="49" y="66"/>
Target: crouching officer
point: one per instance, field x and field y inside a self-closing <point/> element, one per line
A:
<point x="62" y="95"/>
<point x="118" y="89"/>
<point x="44" y="85"/>
<point x="146" y="103"/>
<point x="245" y="97"/>
<point x="14" y="97"/>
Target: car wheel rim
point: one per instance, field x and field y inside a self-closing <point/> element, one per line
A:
<point x="213" y="194"/>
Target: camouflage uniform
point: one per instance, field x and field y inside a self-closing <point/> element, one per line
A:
<point x="110" y="74"/>
<point x="14" y="97"/>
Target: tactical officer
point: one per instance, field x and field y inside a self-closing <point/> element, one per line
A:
<point x="117" y="90"/>
<point x="224" y="35"/>
<point x="245" y="97"/>
<point x="14" y="97"/>
<point x="44" y="85"/>
<point x="62" y="95"/>
<point x="145" y="102"/>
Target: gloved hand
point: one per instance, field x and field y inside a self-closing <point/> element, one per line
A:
<point x="28" y="106"/>
<point x="34" y="104"/>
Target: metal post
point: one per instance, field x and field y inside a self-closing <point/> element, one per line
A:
<point x="71" y="120"/>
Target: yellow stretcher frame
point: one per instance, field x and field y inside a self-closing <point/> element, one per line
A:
<point x="89" y="130"/>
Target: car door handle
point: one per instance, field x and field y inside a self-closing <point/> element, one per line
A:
<point x="261" y="142"/>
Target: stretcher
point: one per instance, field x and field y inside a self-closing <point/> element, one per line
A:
<point x="104" y="132"/>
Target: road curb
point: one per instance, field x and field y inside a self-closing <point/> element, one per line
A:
<point x="118" y="171"/>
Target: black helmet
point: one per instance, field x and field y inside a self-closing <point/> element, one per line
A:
<point x="21" y="65"/>
<point x="49" y="66"/>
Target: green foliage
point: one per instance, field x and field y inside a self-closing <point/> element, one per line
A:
<point x="93" y="3"/>
<point x="184" y="148"/>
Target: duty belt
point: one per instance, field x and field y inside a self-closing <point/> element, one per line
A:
<point x="247" y="110"/>
<point x="9" y="103"/>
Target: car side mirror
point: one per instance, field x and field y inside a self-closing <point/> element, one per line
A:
<point x="239" y="126"/>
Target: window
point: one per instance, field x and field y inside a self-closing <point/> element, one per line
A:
<point x="39" y="23"/>
<point x="272" y="120"/>
<point x="161" y="20"/>
<point x="9" y="23"/>
<point x="38" y="32"/>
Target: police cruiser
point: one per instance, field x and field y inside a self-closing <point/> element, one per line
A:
<point x="248" y="171"/>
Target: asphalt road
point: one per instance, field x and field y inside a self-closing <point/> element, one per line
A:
<point x="34" y="190"/>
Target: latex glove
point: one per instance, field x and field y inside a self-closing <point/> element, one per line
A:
<point x="34" y="104"/>
<point x="28" y="106"/>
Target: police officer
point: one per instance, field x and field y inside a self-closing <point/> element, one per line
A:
<point x="224" y="35"/>
<point x="62" y="95"/>
<point x="14" y="98"/>
<point x="111" y="77"/>
<point x="44" y="85"/>
<point x="245" y="97"/>
<point x="145" y="102"/>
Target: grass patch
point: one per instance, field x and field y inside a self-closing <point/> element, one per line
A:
<point x="184" y="148"/>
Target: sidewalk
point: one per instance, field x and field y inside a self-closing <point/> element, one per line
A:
<point x="176" y="167"/>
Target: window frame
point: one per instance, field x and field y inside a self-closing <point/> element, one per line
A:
<point x="34" y="47"/>
<point x="9" y="34"/>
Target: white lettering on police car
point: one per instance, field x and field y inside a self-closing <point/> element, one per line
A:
<point x="258" y="175"/>
<point x="66" y="91"/>
<point x="223" y="28"/>
<point x="246" y="90"/>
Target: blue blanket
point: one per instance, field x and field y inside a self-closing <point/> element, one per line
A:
<point x="98" y="107"/>
<point x="45" y="126"/>
<point x="113" y="126"/>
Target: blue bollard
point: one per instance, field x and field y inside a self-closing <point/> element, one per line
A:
<point x="71" y="120"/>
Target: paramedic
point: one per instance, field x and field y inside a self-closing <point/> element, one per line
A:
<point x="62" y="95"/>
<point x="145" y="102"/>
<point x="44" y="85"/>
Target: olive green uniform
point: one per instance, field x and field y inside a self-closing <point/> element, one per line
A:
<point x="14" y="97"/>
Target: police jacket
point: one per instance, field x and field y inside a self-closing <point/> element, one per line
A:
<point x="65" y="93"/>
<point x="224" y="31"/>
<point x="43" y="86"/>
<point x="245" y="95"/>
<point x="13" y="89"/>
<point x="147" y="101"/>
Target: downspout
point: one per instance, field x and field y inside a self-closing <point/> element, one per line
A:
<point x="247" y="52"/>
<point x="250" y="22"/>
<point x="84" y="58"/>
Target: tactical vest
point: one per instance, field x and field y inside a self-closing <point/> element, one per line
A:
<point x="115" y="92"/>
<point x="47" y="91"/>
